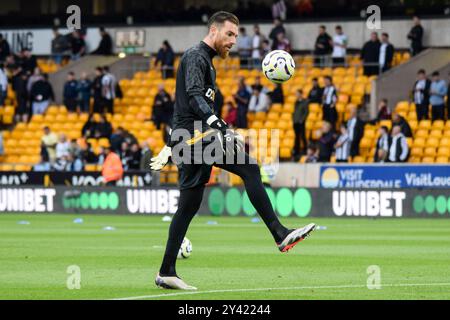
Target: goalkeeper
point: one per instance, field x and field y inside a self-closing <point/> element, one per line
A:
<point x="194" y="101"/>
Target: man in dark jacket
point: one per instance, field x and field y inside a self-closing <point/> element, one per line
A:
<point x="97" y="91"/>
<point x="322" y="47"/>
<point x="398" y="120"/>
<point x="326" y="142"/>
<point x="161" y="107"/>
<point x="29" y="61"/>
<point x="41" y="94"/>
<point x="355" y="127"/>
<point x="4" y="48"/>
<point x="103" y="128"/>
<point x="386" y="53"/>
<point x="70" y="93"/>
<point x="370" y="55"/>
<point x="421" y="94"/>
<point x="60" y="44"/>
<point x="299" y="119"/>
<point x="105" y="45"/>
<point x="316" y="92"/>
<point x="416" y="35"/>
<point x="277" y="28"/>
<point x="166" y="58"/>
<point x="19" y="85"/>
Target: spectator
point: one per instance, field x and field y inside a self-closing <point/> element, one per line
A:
<point x="265" y="49"/>
<point x="322" y="47"/>
<point x="162" y="107"/>
<point x="109" y="83"/>
<point x="84" y="89"/>
<point x="134" y="162"/>
<point x="259" y="101"/>
<point x="4" y="48"/>
<point x="42" y="166"/>
<point x="244" y="47"/>
<point x="242" y="99"/>
<point x="62" y="147"/>
<point x="166" y="58"/>
<point x="279" y="10"/>
<point x="383" y="143"/>
<point x="2" y="149"/>
<point x="386" y="53"/>
<point x="329" y="99"/>
<point x="342" y="145"/>
<point x="19" y="85"/>
<point x="383" y="111"/>
<point x="257" y="46"/>
<point x="415" y="35"/>
<point x="125" y="154"/>
<point x="3" y="84"/>
<point x="60" y="44"/>
<point x="117" y="138"/>
<point x="70" y="93"/>
<point x="112" y="170"/>
<point x="49" y="141"/>
<point x="97" y="91"/>
<point x="370" y="55"/>
<point x="277" y="28"/>
<point x="258" y="84"/>
<point x="88" y="130"/>
<point x="41" y="95"/>
<point x="398" y="120"/>
<point x="326" y="142"/>
<point x="88" y="154"/>
<point x="105" y="45"/>
<point x="312" y="154"/>
<point x="316" y="93"/>
<point x="231" y="117"/>
<point x="355" y="128"/>
<point x="29" y="62"/>
<point x="74" y="148"/>
<point x="75" y="164"/>
<point x="145" y="158"/>
<point x="340" y="42"/>
<point x="103" y="128"/>
<point x="438" y="91"/>
<point x="277" y="96"/>
<point x="299" y="117"/>
<point x="421" y="94"/>
<point x="77" y="45"/>
<point x="32" y="79"/>
<point x="399" y="150"/>
<point x="283" y="42"/>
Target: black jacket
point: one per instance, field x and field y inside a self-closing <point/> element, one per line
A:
<point x="105" y="46"/>
<point x="315" y="95"/>
<point x="406" y="129"/>
<point x="415" y="35"/>
<point x="425" y="91"/>
<point x="371" y="51"/>
<point x="389" y="56"/>
<point x="195" y="88"/>
<point x="324" y="40"/>
<point x="41" y="91"/>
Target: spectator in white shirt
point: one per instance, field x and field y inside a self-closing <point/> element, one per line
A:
<point x="342" y="145"/>
<point x="244" y="46"/>
<point x="259" y="101"/>
<point x="399" y="150"/>
<point x="108" y="89"/>
<point x="257" y="44"/>
<point x="62" y="147"/>
<point x="383" y="143"/>
<point x="339" y="47"/>
<point x="386" y="53"/>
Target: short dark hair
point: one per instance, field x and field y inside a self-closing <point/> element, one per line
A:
<point x="435" y="74"/>
<point x="329" y="78"/>
<point x="220" y="17"/>
<point x="384" y="128"/>
<point x="385" y="34"/>
<point x="323" y="27"/>
<point x="102" y="29"/>
<point x="384" y="100"/>
<point x="344" y="125"/>
<point x="338" y="27"/>
<point x="71" y="73"/>
<point x="300" y="91"/>
<point x="421" y="71"/>
<point x="106" y="68"/>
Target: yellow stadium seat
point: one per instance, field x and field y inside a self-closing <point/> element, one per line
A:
<point x="436" y="133"/>
<point x="438" y="124"/>
<point x="358" y="159"/>
<point x="414" y="159"/>
<point x="428" y="160"/>
<point x="443" y="151"/>
<point x="445" y="141"/>
<point x="429" y="152"/>
<point x="419" y="142"/>
<point x="422" y="133"/>
<point x="425" y="124"/>
<point x="432" y="142"/>
<point x="442" y="159"/>
<point x="416" y="152"/>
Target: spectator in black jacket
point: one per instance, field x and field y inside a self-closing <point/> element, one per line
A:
<point x="19" y="85"/>
<point x="77" y="45"/>
<point x="166" y="57"/>
<point x="323" y="47"/>
<point x="299" y="117"/>
<point x="41" y="94"/>
<point x="277" y="28"/>
<point x="316" y="92"/>
<point x="60" y="44"/>
<point x="70" y="93"/>
<point x="103" y="128"/>
<point x="370" y="55"/>
<point x="276" y="96"/>
<point x="105" y="45"/>
<point x="4" y="48"/>
<point x="326" y="142"/>
<point x="88" y="129"/>
<point x="135" y="155"/>
<point x="97" y="90"/>
<point x="421" y="94"/>
<point x="162" y="106"/>
<point x="84" y="89"/>
<point x="398" y="150"/>
<point x="29" y="61"/>
<point x="398" y="120"/>
<point x="415" y="35"/>
<point x="386" y="53"/>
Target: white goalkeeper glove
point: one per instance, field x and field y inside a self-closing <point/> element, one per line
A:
<point x="158" y="162"/>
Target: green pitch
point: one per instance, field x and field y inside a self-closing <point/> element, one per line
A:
<point x="233" y="259"/>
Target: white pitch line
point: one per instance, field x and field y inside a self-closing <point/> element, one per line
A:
<point x="183" y="293"/>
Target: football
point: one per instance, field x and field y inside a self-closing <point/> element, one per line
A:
<point x="278" y="66"/>
<point x="185" y="249"/>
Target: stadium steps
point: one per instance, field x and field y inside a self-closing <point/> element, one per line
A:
<point x="396" y="84"/>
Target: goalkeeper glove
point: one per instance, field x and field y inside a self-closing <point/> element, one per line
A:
<point x="158" y="162"/>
